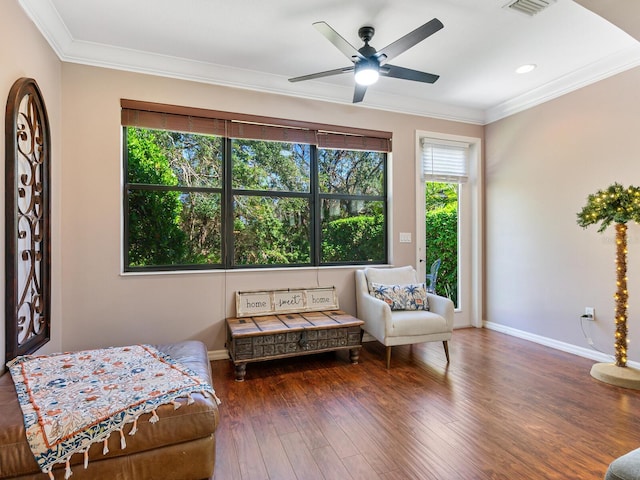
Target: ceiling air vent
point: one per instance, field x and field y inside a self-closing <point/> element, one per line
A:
<point x="529" y="7"/>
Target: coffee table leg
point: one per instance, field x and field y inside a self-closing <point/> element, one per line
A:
<point x="241" y="369"/>
<point x="354" y="355"/>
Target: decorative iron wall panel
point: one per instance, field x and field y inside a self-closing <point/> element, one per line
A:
<point x="27" y="216"/>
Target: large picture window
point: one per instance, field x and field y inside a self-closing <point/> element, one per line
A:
<point x="206" y="190"/>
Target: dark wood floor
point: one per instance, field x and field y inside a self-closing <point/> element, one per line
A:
<point x="504" y="408"/>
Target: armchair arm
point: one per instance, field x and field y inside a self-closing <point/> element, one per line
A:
<point x="375" y="313"/>
<point x="443" y="306"/>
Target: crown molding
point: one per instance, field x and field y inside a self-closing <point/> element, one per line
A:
<point x="607" y="67"/>
<point x="106" y="56"/>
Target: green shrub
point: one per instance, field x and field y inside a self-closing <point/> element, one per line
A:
<point x="155" y="237"/>
<point x="354" y="239"/>
<point x="442" y="242"/>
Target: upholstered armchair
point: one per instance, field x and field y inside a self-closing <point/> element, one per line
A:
<point x="390" y="301"/>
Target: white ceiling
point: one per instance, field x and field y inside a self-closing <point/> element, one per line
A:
<point x="259" y="44"/>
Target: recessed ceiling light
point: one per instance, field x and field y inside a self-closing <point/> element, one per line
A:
<point x="526" y="68"/>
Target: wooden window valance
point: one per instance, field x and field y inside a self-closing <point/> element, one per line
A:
<point x="213" y="122"/>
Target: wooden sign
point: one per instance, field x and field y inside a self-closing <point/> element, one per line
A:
<point x="286" y="300"/>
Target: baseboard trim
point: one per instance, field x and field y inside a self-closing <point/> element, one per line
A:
<point x="367" y="338"/>
<point x="556" y="344"/>
<point x="218" y="354"/>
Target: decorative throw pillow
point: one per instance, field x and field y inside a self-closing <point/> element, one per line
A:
<point x="401" y="297"/>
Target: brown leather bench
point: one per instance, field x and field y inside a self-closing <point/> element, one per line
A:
<point x="181" y="446"/>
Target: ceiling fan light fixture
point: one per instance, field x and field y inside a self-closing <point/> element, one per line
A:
<point x="367" y="60"/>
<point x="367" y="73"/>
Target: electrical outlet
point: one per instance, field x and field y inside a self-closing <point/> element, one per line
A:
<point x="590" y="312"/>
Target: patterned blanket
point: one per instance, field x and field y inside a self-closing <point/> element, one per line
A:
<point x="71" y="400"/>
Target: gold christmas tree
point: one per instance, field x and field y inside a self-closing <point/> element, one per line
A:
<point x="617" y="205"/>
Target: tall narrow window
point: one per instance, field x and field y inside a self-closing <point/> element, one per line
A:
<point x="445" y="167"/>
<point x="173" y="198"/>
<point x="352" y="204"/>
<point x="27" y="199"/>
<point x="271" y="203"/>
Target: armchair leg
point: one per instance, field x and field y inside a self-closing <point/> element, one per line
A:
<point x="388" y="357"/>
<point x="446" y="350"/>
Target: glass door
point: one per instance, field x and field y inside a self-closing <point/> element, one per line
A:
<point x="449" y="222"/>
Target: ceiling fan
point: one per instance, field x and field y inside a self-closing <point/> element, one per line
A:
<point x="369" y="64"/>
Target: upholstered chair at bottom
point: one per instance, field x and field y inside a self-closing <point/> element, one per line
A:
<point x="401" y="327"/>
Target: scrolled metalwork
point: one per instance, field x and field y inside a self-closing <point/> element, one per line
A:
<point x="27" y="216"/>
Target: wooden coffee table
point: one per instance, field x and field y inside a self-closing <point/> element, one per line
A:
<point x="267" y="337"/>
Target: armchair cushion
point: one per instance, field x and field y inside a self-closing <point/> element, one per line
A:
<point x="412" y="296"/>
<point x="407" y="324"/>
<point x="391" y="276"/>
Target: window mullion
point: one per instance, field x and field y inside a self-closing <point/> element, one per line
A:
<point x="227" y="204"/>
<point x="170" y="188"/>
<point x="316" y="240"/>
<point x="385" y="190"/>
<point x="346" y="196"/>
<point x="270" y="193"/>
<point x="125" y="198"/>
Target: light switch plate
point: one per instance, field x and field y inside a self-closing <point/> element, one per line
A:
<point x="405" y="237"/>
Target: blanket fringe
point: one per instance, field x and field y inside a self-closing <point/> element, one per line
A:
<point x="134" y="429"/>
<point x="123" y="442"/>
<point x="154" y="417"/>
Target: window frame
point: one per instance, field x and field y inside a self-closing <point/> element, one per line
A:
<point x="232" y="192"/>
<point x="470" y="234"/>
<point x="225" y="124"/>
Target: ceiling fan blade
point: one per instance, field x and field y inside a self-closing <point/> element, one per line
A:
<point x="340" y="43"/>
<point x="358" y="93"/>
<point x="409" y="40"/>
<point x="328" y="73"/>
<point x="407" y="74"/>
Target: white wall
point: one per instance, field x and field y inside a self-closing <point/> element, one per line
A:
<point x="542" y="270"/>
<point x="25" y="53"/>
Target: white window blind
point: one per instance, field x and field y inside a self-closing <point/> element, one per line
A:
<point x="445" y="161"/>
